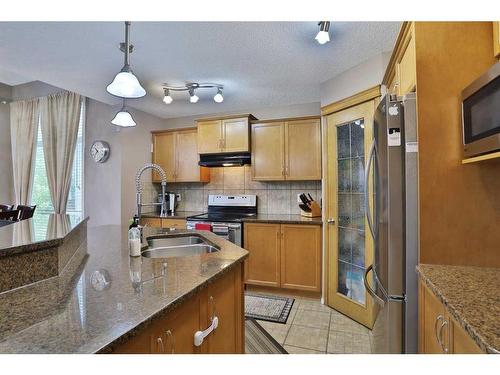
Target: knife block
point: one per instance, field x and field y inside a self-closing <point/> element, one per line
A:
<point x="315" y="210"/>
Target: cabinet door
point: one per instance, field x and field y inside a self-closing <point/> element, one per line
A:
<point x="434" y="317"/>
<point x="178" y="329"/>
<point x="225" y="300"/>
<point x="301" y="257"/>
<point x="187" y="157"/>
<point x="460" y="341"/>
<point x="164" y="154"/>
<point x="303" y="150"/>
<point x="496" y="39"/>
<point x="210" y="137"/>
<point x="263" y="264"/>
<point x="268" y="151"/>
<point x="236" y="135"/>
<point x="407" y="69"/>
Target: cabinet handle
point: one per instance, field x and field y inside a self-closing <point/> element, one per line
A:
<point x="286" y="171"/>
<point x="439" y="317"/>
<point x="440" y="335"/>
<point x="168" y="333"/>
<point x="159" y="343"/>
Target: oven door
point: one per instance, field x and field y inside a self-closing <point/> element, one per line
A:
<point x="229" y="231"/>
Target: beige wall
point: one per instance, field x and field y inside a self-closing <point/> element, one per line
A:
<point x="360" y="77"/>
<point x="6" y="182"/>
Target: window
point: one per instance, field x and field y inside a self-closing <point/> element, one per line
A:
<point x="41" y="194"/>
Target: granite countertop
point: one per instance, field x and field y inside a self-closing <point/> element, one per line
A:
<point x="472" y="297"/>
<point x="284" y="219"/>
<point x="176" y="215"/>
<point x="104" y="295"/>
<point x="41" y="231"/>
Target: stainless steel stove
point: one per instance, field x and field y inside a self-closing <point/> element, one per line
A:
<point x="225" y="215"/>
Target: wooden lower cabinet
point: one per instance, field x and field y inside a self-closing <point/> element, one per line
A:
<point x="283" y="255"/>
<point x="157" y="222"/>
<point x="263" y="264"/>
<point x="174" y="333"/>
<point x="439" y="333"/>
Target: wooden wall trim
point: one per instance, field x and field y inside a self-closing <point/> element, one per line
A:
<point x="398" y="50"/>
<point x="361" y="97"/>
<point x="190" y="129"/>
<point x="286" y="119"/>
<point x="228" y="117"/>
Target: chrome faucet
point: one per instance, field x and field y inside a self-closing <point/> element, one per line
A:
<point x="138" y="189"/>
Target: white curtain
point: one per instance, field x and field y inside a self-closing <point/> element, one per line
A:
<point x="59" y="119"/>
<point x="23" y="130"/>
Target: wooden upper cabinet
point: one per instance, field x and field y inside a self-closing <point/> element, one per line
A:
<point x="236" y="135"/>
<point x="303" y="150"/>
<point x="268" y="151"/>
<point x="401" y="75"/>
<point x="496" y="39"/>
<point x="164" y="154"/>
<point x="301" y="257"/>
<point x="210" y="137"/>
<point x="187" y="168"/>
<point x="263" y="264"/>
<point x="407" y="68"/>
<point x="286" y="150"/>
<point x="224" y="135"/>
<point x="176" y="152"/>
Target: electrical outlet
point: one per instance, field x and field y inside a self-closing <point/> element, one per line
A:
<point x="178" y="197"/>
<point x="298" y="199"/>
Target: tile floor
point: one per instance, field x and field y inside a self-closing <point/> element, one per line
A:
<point x="313" y="328"/>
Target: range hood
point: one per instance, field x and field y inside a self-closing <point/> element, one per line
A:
<point x="224" y="160"/>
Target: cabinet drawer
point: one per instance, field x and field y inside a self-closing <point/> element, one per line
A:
<point x="173" y="223"/>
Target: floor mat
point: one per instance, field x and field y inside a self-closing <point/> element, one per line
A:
<point x="268" y="307"/>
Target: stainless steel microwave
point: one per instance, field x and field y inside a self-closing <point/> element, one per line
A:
<point x="481" y="114"/>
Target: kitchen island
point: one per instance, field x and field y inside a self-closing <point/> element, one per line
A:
<point x="106" y="301"/>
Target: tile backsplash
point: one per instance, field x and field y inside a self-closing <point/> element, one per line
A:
<point x="278" y="197"/>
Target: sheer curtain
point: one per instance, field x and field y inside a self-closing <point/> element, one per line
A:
<point x="59" y="120"/>
<point x="23" y="129"/>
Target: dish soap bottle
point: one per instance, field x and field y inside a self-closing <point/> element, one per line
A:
<point x="134" y="238"/>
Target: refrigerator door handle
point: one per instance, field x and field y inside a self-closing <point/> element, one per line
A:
<point x="370" y="291"/>
<point x="368" y="215"/>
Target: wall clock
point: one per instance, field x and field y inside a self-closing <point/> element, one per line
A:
<point x="99" y="151"/>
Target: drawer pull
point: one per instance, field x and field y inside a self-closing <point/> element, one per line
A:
<point x="440" y="335"/>
<point x="159" y="343"/>
<point x="439" y="317"/>
<point x="168" y="333"/>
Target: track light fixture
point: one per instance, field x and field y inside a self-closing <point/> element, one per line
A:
<point x="191" y="89"/>
<point x="167" y="99"/>
<point x="323" y="36"/>
<point x="125" y="84"/>
<point x="123" y="117"/>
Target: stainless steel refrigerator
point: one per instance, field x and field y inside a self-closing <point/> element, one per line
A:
<point x="393" y="224"/>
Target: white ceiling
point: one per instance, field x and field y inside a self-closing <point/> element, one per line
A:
<point x="260" y="63"/>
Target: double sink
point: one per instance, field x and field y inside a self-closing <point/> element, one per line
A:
<point x="179" y="245"/>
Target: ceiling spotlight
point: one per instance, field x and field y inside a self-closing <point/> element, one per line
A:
<point x="125" y="84"/>
<point x="218" y="98"/>
<point x="323" y="37"/>
<point x="193" y="98"/>
<point x="167" y="99"/>
<point x="123" y="118"/>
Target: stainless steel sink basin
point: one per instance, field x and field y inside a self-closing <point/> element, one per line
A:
<point x="177" y="246"/>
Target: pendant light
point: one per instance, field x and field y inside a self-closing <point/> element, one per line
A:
<point x="323" y="36"/>
<point x="167" y="99"/>
<point x="123" y="117"/>
<point x="218" y="98"/>
<point x="125" y="84"/>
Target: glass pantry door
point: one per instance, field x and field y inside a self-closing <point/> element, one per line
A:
<point x="349" y="245"/>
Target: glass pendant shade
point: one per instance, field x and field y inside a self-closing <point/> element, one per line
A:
<point x="124" y="119"/>
<point x="322" y="37"/>
<point x="218" y="98"/>
<point x="126" y="85"/>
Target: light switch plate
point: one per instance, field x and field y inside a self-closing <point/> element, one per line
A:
<point x="298" y="199"/>
<point x="178" y="197"/>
